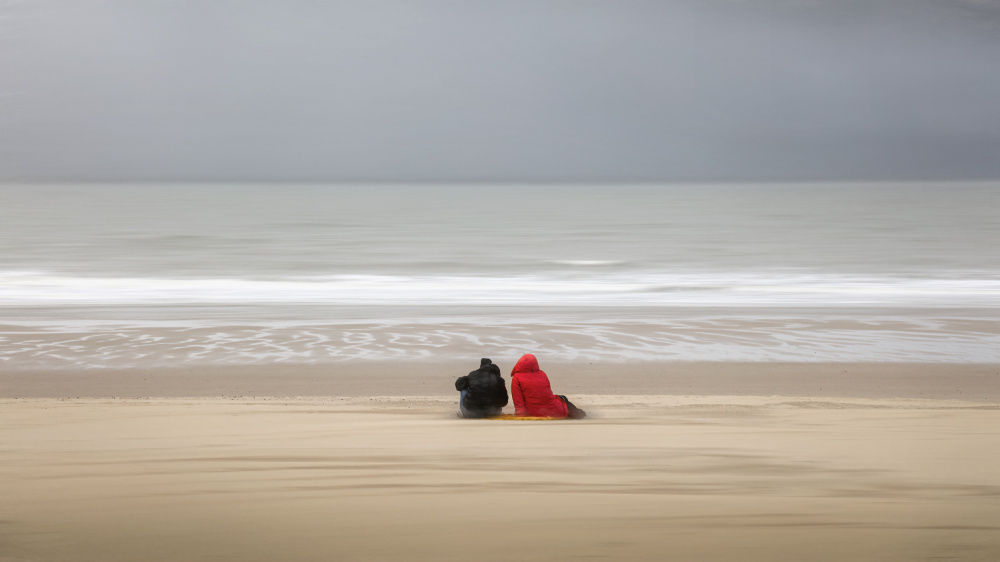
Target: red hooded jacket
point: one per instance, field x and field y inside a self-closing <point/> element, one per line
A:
<point x="532" y="392"/>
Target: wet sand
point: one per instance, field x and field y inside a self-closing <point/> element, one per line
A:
<point x="978" y="382"/>
<point x="582" y="336"/>
<point x="645" y="477"/>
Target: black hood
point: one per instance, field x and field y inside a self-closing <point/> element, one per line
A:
<point x="487" y="366"/>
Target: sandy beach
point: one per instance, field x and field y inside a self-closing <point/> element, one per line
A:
<point x="246" y="249"/>
<point x="906" y="469"/>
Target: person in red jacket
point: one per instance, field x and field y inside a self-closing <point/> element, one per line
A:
<point x="533" y="395"/>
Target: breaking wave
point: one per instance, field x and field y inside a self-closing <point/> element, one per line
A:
<point x="19" y="288"/>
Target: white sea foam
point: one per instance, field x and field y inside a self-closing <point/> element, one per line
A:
<point x="638" y="289"/>
<point x="588" y="262"/>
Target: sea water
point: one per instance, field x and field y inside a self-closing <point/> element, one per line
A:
<point x="131" y="275"/>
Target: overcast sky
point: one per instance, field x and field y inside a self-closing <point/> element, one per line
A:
<point x="506" y="90"/>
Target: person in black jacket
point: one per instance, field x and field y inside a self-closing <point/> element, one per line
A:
<point x="483" y="392"/>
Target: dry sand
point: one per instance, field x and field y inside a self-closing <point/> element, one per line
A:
<point x="678" y="460"/>
<point x="646" y="477"/>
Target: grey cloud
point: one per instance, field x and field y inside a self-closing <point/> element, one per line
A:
<point x="499" y="90"/>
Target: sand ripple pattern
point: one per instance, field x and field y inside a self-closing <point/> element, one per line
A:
<point x="36" y="346"/>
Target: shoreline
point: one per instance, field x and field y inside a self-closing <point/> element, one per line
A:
<point x="945" y="381"/>
<point x="774" y="335"/>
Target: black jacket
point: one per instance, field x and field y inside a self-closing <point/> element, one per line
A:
<point x="487" y="390"/>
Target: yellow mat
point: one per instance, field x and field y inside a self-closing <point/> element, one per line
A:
<point x="520" y="418"/>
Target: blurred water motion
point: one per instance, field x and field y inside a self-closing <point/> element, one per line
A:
<point x="899" y="231"/>
<point x="203" y="255"/>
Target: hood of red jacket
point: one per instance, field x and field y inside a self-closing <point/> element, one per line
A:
<point x="526" y="364"/>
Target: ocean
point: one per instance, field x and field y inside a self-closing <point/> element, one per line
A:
<point x="95" y="276"/>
